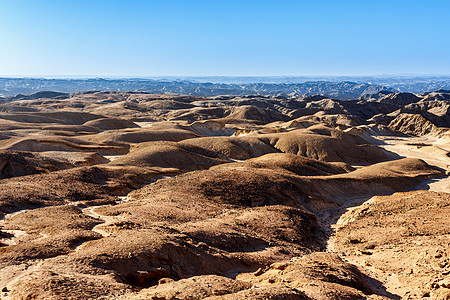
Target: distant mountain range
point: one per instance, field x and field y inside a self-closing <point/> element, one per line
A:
<point x="334" y="87"/>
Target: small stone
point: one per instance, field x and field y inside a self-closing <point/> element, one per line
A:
<point x="425" y="294"/>
<point x="445" y="283"/>
<point x="367" y="264"/>
<point x="202" y="246"/>
<point x="5" y="289"/>
<point x="435" y="285"/>
<point x="258" y="272"/>
<point x="279" y="266"/>
<point x="355" y="241"/>
<point x="165" y="280"/>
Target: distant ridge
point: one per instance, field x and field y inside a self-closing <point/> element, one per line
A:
<point x="345" y="90"/>
<point x="38" y="95"/>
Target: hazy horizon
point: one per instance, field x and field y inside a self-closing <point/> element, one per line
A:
<point x="400" y="75"/>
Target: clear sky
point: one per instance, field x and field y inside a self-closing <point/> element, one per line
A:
<point x="203" y="38"/>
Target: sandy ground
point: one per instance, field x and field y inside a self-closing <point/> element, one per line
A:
<point x="427" y="149"/>
<point x="112" y="158"/>
<point x="424" y="148"/>
<point x="144" y="124"/>
<point x="12" y="274"/>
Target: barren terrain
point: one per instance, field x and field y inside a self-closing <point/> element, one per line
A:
<point x="125" y="195"/>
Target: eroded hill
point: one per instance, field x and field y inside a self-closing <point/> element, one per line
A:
<point x="145" y="196"/>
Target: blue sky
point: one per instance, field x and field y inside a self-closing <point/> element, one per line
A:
<point x="203" y="38"/>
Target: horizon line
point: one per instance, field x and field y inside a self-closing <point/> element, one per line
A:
<point x="386" y="75"/>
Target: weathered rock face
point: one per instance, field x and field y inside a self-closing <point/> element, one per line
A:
<point x="400" y="99"/>
<point x="405" y="234"/>
<point x="16" y="163"/>
<point x="138" y="196"/>
<point x="96" y="184"/>
<point x="414" y="124"/>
